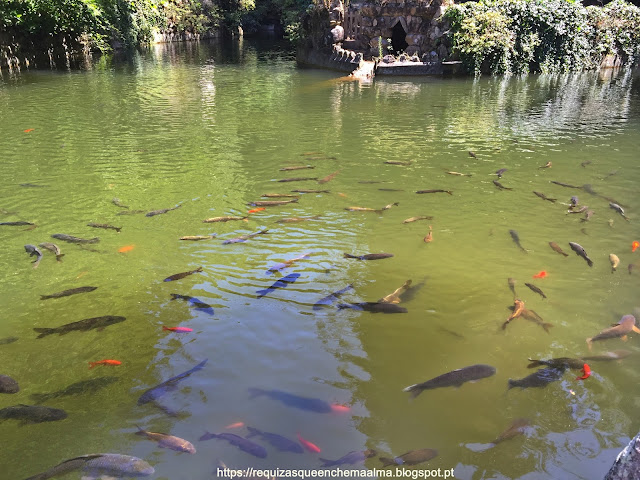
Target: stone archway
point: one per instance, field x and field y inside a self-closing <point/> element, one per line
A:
<point x="398" y="36"/>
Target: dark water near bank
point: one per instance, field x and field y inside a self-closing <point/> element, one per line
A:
<point x="208" y="127"/>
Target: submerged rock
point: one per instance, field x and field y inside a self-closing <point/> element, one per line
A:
<point x="627" y="464"/>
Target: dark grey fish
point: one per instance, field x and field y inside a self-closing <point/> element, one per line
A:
<point x="585" y="163"/>
<point x="272" y="203"/>
<point x="627" y="324"/>
<point x="561" y="362"/>
<point x="516" y="239"/>
<point x="573" y="201"/>
<point x="8" y="340"/>
<point x="512" y="286"/>
<point x="500" y="186"/>
<point x="298" y="179"/>
<point x="238" y="441"/>
<point x="609" y="356"/>
<point x="329" y="299"/>
<point x="152" y="394"/>
<point x="87" y="324"/>
<point x="374" y="307"/>
<point x="72" y="239"/>
<point x="369" y="181"/>
<point x="544" y="197"/>
<point x="161" y="211"/>
<point x="278" y="441"/>
<point x="105" y="226"/>
<point x="244" y="238"/>
<point x="391" y="190"/>
<point x="32" y="185"/>
<point x="564" y="184"/>
<point x="398" y="162"/>
<point x="316" y="405"/>
<point x="130" y="212"/>
<point x="535" y="318"/>
<point x="500" y="172"/>
<point x="516" y="428"/>
<point x="351" y="458"/>
<point x="66" y="293"/>
<point x="16" y="224"/>
<point x="472" y="154"/>
<point x="581" y="252"/>
<point x="52" y="247"/>
<point x="32" y="250"/>
<point x="78" y="388"/>
<point x="178" y="276"/>
<point x="618" y="209"/>
<point x="278" y="195"/>
<point x="8" y="385"/>
<point x="100" y="465"/>
<point x="116" y="201"/>
<point x="541" y="378"/>
<point x="454" y="378"/>
<point x="282" y="283"/>
<point x="302" y="167"/>
<point x="311" y="191"/>
<point x="32" y="413"/>
<point x="536" y="289"/>
<point x="556" y="248"/>
<point x="194" y="302"/>
<point x="435" y="191"/>
<point x="414" y="457"/>
<point x="369" y="256"/>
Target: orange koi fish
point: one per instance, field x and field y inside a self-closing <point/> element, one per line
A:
<point x="177" y="329"/>
<point x="540" y="274"/>
<point x="586" y="372"/>
<point x="254" y="210"/>
<point x="308" y="445"/>
<point x="126" y="248"/>
<point x="634" y="246"/>
<point x="104" y="362"/>
<point x="336" y="407"/>
<point x="28" y="130"/>
<point x="235" y="425"/>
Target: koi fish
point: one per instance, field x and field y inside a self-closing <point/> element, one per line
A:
<point x="29" y="130"/>
<point x="254" y="210"/>
<point x="586" y="372"/>
<point x="313" y="448"/>
<point x="541" y="274"/>
<point x="126" y="248"/>
<point x="177" y="329"/>
<point x="104" y="362"/>
<point x="634" y="246"/>
<point x="235" y="425"/>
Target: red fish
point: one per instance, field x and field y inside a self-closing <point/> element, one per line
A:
<point x="336" y="407"/>
<point x="126" y="248"/>
<point x="540" y="274"/>
<point x="308" y="445"/>
<point x="104" y="362"/>
<point x="177" y="329"/>
<point x="235" y="425"/>
<point x="28" y="130"/>
<point x="586" y="372"/>
<point x="634" y="246"/>
<point x="254" y="210"/>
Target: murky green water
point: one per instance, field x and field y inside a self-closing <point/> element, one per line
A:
<point x="208" y="127"/>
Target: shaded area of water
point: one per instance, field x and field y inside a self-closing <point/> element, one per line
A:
<point x="207" y="127"/>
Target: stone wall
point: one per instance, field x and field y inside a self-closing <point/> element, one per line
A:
<point x="367" y="25"/>
<point x="627" y="465"/>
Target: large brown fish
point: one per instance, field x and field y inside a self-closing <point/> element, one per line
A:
<point x="130" y="212"/>
<point x="414" y="457"/>
<point x="178" y="276"/>
<point x="169" y="441"/>
<point x="544" y="197"/>
<point x="516" y="428"/>
<point x="87" y="324"/>
<point x="105" y="226"/>
<point x="244" y="238"/>
<point x="278" y="195"/>
<point x="518" y="308"/>
<point x="615" y="261"/>
<point x="116" y="201"/>
<point x="556" y="248"/>
<point x="458" y="174"/>
<point x="369" y="256"/>
<point x="223" y="219"/>
<point x="312" y="191"/>
<point x="500" y="186"/>
<point x="66" y="293"/>
<point x="297" y="219"/>
<point x="72" y="239"/>
<point x="415" y="219"/>
<point x="301" y="167"/>
<point x="454" y="378"/>
<point x="608" y="356"/>
<point x="52" y="247"/>
<point x="32" y="414"/>
<point x="435" y="191"/>
<point x="198" y="237"/>
<point x="626" y="325"/>
<point x="272" y="203"/>
<point x="535" y="318"/>
<point x="17" y="224"/>
<point x="329" y="177"/>
<point x="536" y="289"/>
<point x="374" y="307"/>
<point x="398" y="162"/>
<point x="561" y="362"/>
<point x="394" y="297"/>
<point x="298" y="179"/>
<point x="161" y="211"/>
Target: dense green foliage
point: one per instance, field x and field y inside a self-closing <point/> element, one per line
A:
<point x="519" y="36"/>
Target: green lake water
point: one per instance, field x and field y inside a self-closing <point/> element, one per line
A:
<point x="207" y="127"/>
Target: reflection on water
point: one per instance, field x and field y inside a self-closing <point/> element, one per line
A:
<point x="208" y="127"/>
